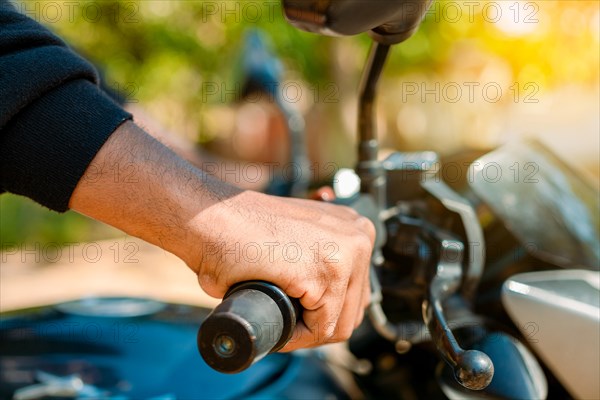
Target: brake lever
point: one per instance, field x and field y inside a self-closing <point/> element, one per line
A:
<point x="473" y="369"/>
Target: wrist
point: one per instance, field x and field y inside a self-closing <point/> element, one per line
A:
<point x="161" y="199"/>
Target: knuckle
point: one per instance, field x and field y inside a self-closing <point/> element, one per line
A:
<point x="326" y="332"/>
<point x="313" y="297"/>
<point x="361" y="247"/>
<point x="366" y="226"/>
<point x="334" y="273"/>
<point x="349" y="210"/>
<point x="338" y="269"/>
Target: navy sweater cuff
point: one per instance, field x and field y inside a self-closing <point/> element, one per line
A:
<point x="47" y="147"/>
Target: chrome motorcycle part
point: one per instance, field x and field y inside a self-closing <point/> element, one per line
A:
<point x="112" y="307"/>
<point x="472" y="368"/>
<point x="409" y="170"/>
<point x="369" y="168"/>
<point x="475" y="240"/>
<point x="559" y="313"/>
<point x="55" y="386"/>
<point x="254" y="319"/>
<point x="517" y="374"/>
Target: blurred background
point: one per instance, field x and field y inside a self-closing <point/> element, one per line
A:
<point x="475" y="75"/>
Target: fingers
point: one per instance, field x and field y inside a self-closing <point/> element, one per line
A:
<point x="327" y="324"/>
<point x="367" y="227"/>
<point x="337" y="313"/>
<point x="328" y="269"/>
<point x="295" y="342"/>
<point x="333" y="316"/>
<point x="352" y="311"/>
<point x="365" y="297"/>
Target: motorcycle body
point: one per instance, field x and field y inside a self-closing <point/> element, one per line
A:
<point x="134" y="348"/>
<point x="486" y="288"/>
<point x="534" y="311"/>
<point x="533" y="307"/>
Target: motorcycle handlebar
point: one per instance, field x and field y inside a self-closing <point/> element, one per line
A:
<point x="254" y="319"/>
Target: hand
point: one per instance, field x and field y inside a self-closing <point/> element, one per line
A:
<point x="317" y="252"/>
<point x="314" y="251"/>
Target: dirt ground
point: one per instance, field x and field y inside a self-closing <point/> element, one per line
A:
<point x="32" y="276"/>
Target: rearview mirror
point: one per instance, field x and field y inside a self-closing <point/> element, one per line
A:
<point x="387" y="21"/>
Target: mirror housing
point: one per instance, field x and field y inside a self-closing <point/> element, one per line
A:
<point x="387" y="21"/>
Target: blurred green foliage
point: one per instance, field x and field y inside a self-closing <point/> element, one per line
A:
<point x="160" y="52"/>
<point x="23" y="221"/>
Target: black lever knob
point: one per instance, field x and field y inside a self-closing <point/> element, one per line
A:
<point x="255" y="318"/>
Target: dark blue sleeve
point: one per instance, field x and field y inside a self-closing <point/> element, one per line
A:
<point x="53" y="116"/>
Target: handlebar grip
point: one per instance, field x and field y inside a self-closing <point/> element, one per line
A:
<point x="254" y="319"/>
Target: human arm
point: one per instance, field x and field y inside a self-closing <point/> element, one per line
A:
<point x="62" y="140"/>
<point x="53" y="116"/>
<point x="219" y="230"/>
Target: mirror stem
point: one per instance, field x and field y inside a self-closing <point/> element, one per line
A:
<point x="369" y="169"/>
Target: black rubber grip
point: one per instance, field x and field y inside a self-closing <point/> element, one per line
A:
<point x="255" y="318"/>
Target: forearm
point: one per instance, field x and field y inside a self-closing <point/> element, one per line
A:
<point x="231" y="171"/>
<point x="168" y="202"/>
<point x="141" y="187"/>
